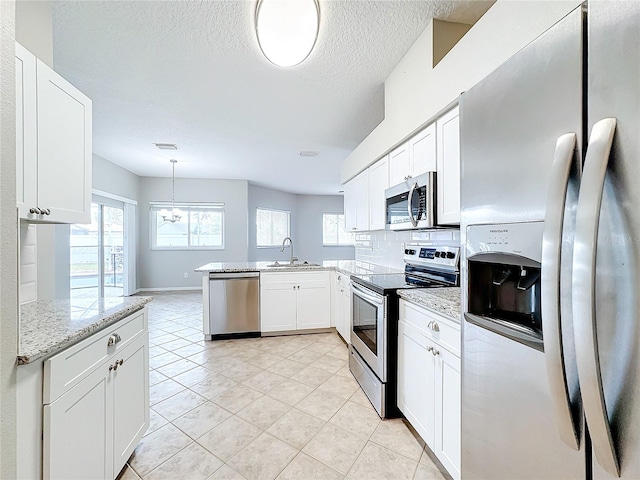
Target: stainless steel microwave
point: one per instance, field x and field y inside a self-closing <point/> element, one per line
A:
<point x="411" y="205"/>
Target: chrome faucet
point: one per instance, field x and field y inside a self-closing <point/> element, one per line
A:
<point x="293" y="259"/>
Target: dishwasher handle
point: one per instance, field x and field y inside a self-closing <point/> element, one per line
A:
<point x="233" y="275"/>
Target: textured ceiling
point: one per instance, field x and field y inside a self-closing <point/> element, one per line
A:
<point x="191" y="73"/>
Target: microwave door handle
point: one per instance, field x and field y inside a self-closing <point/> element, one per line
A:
<point x="414" y="222"/>
<point x="550" y="293"/>
<point x="583" y="298"/>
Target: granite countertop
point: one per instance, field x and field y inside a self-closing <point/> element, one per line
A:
<point x="48" y="326"/>
<point x="443" y="300"/>
<point x="348" y="267"/>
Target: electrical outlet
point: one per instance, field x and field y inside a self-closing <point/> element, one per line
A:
<point x="186" y="275"/>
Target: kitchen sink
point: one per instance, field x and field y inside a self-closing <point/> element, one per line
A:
<point x="294" y="265"/>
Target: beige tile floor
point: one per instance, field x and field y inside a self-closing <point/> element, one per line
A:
<point x="260" y="409"/>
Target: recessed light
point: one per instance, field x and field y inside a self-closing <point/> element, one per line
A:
<point x="308" y="153"/>
<point x="166" y="146"/>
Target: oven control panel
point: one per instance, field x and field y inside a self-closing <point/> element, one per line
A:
<point x="442" y="256"/>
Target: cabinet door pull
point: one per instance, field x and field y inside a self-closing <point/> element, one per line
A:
<point x="122" y="361"/>
<point x="113" y="339"/>
<point x="110" y="367"/>
<point x="430" y="349"/>
<point x="435" y="352"/>
<point x="35" y="210"/>
<point x="47" y="211"/>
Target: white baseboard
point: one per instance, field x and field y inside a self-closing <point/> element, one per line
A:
<point x="169" y="289"/>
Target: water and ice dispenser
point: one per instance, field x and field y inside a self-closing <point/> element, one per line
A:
<point x="503" y="280"/>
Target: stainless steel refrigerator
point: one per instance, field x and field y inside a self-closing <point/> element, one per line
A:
<point x="553" y="136"/>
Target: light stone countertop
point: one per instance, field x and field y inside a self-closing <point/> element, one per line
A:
<point x="443" y="300"/>
<point x="48" y="326"/>
<point x="348" y="267"/>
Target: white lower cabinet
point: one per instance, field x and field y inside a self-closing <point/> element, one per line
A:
<point x="416" y="379"/>
<point x="447" y="441"/>
<point x="91" y="430"/>
<point x="429" y="380"/>
<point x="77" y="433"/>
<point x="343" y="306"/>
<point x="295" y="301"/>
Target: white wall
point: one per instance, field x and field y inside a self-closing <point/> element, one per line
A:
<point x="306" y="225"/>
<point x="165" y="269"/>
<point x="277" y="200"/>
<point x="415" y="94"/>
<point x="34" y="28"/>
<point x="8" y="240"/>
<point x="309" y="232"/>
<point x="112" y="178"/>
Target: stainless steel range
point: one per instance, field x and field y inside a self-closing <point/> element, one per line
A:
<point x="374" y="318"/>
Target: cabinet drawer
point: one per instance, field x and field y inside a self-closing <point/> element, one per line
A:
<point x="67" y="368"/>
<point x="297" y="278"/>
<point x="435" y="326"/>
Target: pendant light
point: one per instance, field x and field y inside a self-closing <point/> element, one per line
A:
<point x="176" y="214"/>
<point x="287" y="29"/>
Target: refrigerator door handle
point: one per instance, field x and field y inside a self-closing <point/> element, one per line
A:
<point x="584" y="278"/>
<point x="550" y="298"/>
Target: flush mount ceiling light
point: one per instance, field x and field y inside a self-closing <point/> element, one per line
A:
<point x="287" y="29"/>
<point x="175" y="215"/>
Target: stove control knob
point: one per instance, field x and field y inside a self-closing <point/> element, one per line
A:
<point x="451" y="255"/>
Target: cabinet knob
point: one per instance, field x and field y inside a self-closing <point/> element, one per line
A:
<point x="35" y="210"/>
<point x="46" y="211"/>
<point x="434" y="326"/>
<point x="113" y="339"/>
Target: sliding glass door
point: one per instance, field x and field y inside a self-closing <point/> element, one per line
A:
<point x="98" y="253"/>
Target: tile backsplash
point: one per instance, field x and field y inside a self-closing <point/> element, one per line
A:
<point x="387" y="248"/>
<point x="28" y="263"/>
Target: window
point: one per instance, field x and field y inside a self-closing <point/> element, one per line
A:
<point x="333" y="231"/>
<point x="201" y="227"/>
<point x="272" y="227"/>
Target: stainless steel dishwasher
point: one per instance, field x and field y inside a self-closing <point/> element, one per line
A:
<point x="234" y="305"/>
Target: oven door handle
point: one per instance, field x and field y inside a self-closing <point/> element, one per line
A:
<point x="414" y="222"/>
<point x="366" y="295"/>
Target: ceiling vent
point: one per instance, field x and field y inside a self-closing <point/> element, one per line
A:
<point x="166" y="146"/>
<point x="308" y="153"/>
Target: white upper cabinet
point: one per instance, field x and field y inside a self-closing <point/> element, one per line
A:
<point x="54" y="145"/>
<point x="378" y="183"/>
<point x="362" y="202"/>
<point x="26" y="129"/>
<point x="414" y="157"/>
<point x="399" y="164"/>
<point x="448" y="176"/>
<point x="350" y="205"/>
<point x="422" y="151"/>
